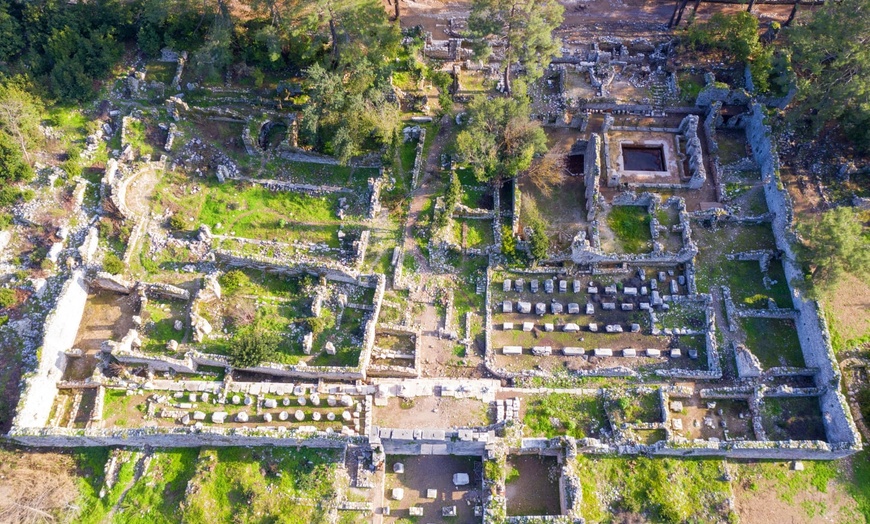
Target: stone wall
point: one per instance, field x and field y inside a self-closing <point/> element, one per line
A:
<point x="592" y="175"/>
<point x="175" y="437"/>
<point x="59" y="333"/>
<point x="812" y="329"/>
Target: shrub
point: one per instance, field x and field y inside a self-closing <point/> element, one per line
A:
<point x="252" y="345"/>
<point x="177" y="222"/>
<point x="508" y="242"/>
<point x="7" y="298"/>
<point x="233" y="280"/>
<point x="539" y="243"/>
<point x="112" y="264"/>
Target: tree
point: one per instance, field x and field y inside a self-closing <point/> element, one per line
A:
<point x="112" y="264"/>
<point x="546" y="173"/>
<point x="12" y="42"/>
<point x="523" y="28"/>
<point x="736" y="34"/>
<point x="539" y="242"/>
<point x="13" y="167"/>
<point x="508" y="242"/>
<point x="20" y="113"/>
<point x="833" y="245"/>
<point x="252" y="345"/>
<point x="500" y="139"/>
<point x="831" y="57"/>
<point x="348" y="110"/>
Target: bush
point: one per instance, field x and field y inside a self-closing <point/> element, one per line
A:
<point x="112" y="264"/>
<point x="177" y="222"/>
<point x="508" y="242"/>
<point x="7" y="298"/>
<point x="253" y="345"/>
<point x="233" y="280"/>
<point x="539" y="243"/>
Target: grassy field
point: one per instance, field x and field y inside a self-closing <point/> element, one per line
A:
<point x="208" y="485"/>
<point x="631" y="227"/>
<point x="773" y="341"/>
<point x="564" y="414"/>
<point x="640" y="489"/>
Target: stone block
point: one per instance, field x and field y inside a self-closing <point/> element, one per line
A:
<point x="590" y="309"/>
<point x="507" y="326"/>
<point x="571" y="328"/>
<point x="507" y="306"/>
<point x="572" y="351"/>
<point x="629" y="352"/>
<point x="630" y="291"/>
<point x="576" y="286"/>
<point x="512" y="350"/>
<point x="548" y="327"/>
<point x="603" y="352"/>
<point x="540" y="308"/>
<point x="593" y="327"/>
<point x="651" y="352"/>
<point x="542" y="351"/>
<point x="524" y="307"/>
<point x="507" y="285"/>
<point x="573" y="308"/>
<point x="592" y="290"/>
<point x="533" y="285"/>
<point x="556" y="308"/>
<point x="528" y="326"/>
<point x="608" y="306"/>
<point x="627" y="306"/>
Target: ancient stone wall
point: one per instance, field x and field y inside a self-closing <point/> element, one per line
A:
<point x="59" y="334"/>
<point x="812" y="329"/>
<point x="592" y="175"/>
<point x="178" y="437"/>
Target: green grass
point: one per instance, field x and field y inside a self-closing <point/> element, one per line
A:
<point x="252" y="211"/>
<point x="636" y="407"/>
<point x="116" y="403"/>
<point x="478" y="232"/>
<point x="157" y="497"/>
<point x="631" y="226"/>
<point x="792" y="418"/>
<point x="578" y="416"/>
<point x="262" y="485"/>
<point x="160" y="71"/>
<point x="158" y="334"/>
<point x="660" y="489"/>
<point x="773" y="341"/>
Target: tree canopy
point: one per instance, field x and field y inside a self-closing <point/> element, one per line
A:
<point x="500" y="138"/>
<point x="836" y="244"/>
<point x="831" y="56"/>
<point x="522" y="28"/>
<point x="253" y="345"/>
<point x="347" y="110"/>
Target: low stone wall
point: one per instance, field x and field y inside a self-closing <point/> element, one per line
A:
<point x="418" y="159"/>
<point x="59" y="333"/>
<point x="179" y="437"/>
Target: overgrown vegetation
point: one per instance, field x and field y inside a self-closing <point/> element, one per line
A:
<point x="631" y="226"/>
<point x="564" y="414"/>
